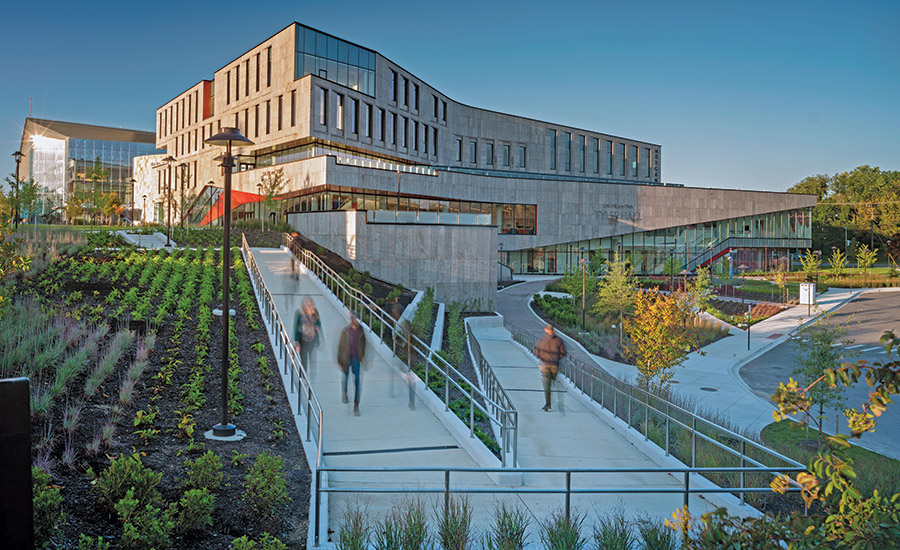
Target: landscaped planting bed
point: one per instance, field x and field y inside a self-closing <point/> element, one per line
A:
<point x="123" y="354"/>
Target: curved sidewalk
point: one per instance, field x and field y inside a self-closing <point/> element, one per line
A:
<point x="712" y="380"/>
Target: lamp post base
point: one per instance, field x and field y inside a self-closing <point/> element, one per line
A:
<point x="225" y="432"/>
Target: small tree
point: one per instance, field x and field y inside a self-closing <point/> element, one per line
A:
<point x="810" y="263"/>
<point x="273" y="182"/>
<point x="818" y="350"/>
<point x="670" y="268"/>
<point x="865" y="259"/>
<point x="10" y="260"/>
<point x="780" y="278"/>
<point x="109" y="205"/>
<point x="723" y="269"/>
<point x="658" y="341"/>
<point x="598" y="264"/>
<point x="572" y="282"/>
<point x="837" y="262"/>
<point x="699" y="291"/>
<point x="616" y="293"/>
<point x="74" y="206"/>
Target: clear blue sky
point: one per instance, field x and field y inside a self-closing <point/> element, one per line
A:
<point x="757" y="95"/>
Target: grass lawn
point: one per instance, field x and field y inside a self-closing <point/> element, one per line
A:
<point x="874" y="471"/>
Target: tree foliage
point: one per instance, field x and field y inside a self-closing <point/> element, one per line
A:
<point x="837" y="262"/>
<point x="699" y="291"/>
<point x="865" y="258"/>
<point x="616" y="292"/>
<point x="809" y="263"/>
<point x="658" y="339"/>
<point x="272" y="184"/>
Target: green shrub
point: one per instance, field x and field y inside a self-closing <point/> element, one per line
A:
<point x="656" y="536"/>
<point x="127" y="473"/>
<point x="454" y="528"/>
<point x="388" y="533"/>
<point x="614" y="533"/>
<point x="205" y="472"/>
<point x="195" y="510"/>
<point x="354" y="531"/>
<point x="86" y="542"/>
<point x="265" y="486"/>
<point x="563" y="533"/>
<point x="46" y="502"/>
<point x="266" y="542"/>
<point x="144" y="528"/>
<point x="508" y="529"/>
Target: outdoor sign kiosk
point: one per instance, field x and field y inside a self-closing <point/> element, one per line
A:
<point x="807" y="295"/>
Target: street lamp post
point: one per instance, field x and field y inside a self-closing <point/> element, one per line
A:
<point x="18" y="156"/>
<point x="225" y="138"/>
<point x="210" y="214"/>
<point x="259" y="206"/>
<point x="670" y="271"/>
<point x="169" y="160"/>
<point x="132" y="181"/>
<point x="748" y="327"/>
<point x="742" y="267"/>
<point x="583" y="263"/>
<point x="184" y="168"/>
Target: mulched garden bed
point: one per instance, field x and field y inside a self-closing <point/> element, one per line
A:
<point x="266" y="418"/>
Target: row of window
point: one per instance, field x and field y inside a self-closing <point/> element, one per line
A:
<point x="617" y="155"/>
<point x="334" y="59"/>
<point x="365" y="120"/>
<point x="400" y="93"/>
<point x="173" y="174"/>
<point x="490" y="159"/>
<point x="179" y="115"/>
<point x="258" y="80"/>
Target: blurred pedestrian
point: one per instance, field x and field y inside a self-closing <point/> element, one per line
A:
<point x="351" y="351"/>
<point x="307" y="331"/>
<point x="549" y="350"/>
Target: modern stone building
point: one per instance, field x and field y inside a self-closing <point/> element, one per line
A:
<point x="418" y="188"/>
<point x="62" y="157"/>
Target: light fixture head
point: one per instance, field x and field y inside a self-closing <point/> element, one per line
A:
<point x="182" y="165"/>
<point x="18" y="155"/>
<point x="169" y="158"/>
<point x="226" y="136"/>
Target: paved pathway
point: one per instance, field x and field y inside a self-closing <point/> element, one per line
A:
<point x="390" y="433"/>
<point x="156" y="240"/>
<point x="711" y="381"/>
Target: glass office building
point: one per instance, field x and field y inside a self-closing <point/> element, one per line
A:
<point x="109" y="161"/>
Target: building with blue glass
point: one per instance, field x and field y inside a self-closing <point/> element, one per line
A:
<point x="70" y="159"/>
<point x="418" y="188"/>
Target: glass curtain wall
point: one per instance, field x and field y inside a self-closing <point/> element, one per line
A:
<point x="111" y="161"/>
<point x="749" y="240"/>
<point x="334" y="59"/>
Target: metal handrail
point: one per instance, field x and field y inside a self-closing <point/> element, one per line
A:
<point x="494" y="389"/>
<point x="377" y="320"/>
<point x="285" y="349"/>
<point x="446" y="488"/>
<point x="586" y="377"/>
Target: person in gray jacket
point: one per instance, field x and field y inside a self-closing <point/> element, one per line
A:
<point x="549" y="350"/>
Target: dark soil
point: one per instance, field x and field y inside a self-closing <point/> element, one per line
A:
<point x="763" y="310"/>
<point x="265" y="408"/>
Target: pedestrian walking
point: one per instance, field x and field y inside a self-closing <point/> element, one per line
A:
<point x="351" y="351"/>
<point x="549" y="350"/>
<point x="307" y="331"/>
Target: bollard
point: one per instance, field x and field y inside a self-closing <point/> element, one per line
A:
<point x="16" y="521"/>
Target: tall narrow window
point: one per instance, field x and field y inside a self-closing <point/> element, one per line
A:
<point x="394" y="86"/>
<point x="247" y="77"/>
<point x="228" y="88"/>
<point x="473" y="152"/>
<point x="381" y="123"/>
<point x="279" y="112"/>
<point x="339" y="121"/>
<point x="521" y="156"/>
<point x="416" y="97"/>
<point x="647" y="163"/>
<point x="459" y="150"/>
<point x="552" y="135"/>
<point x="256" y="120"/>
<point x="237" y="82"/>
<point x="405" y="91"/>
<point x="268" y="116"/>
<point x="367" y="120"/>
<point x="269" y="66"/>
<point x="354" y="116"/>
<point x="634" y="161"/>
<point x="489" y="153"/>
<point x="443" y="110"/>
<point x="567" y="149"/>
<point x="595" y="148"/>
<point x="293" y="107"/>
<point x="435" y="106"/>
<point x="323" y="106"/>
<point x="415" y="136"/>
<point x="581" y="153"/>
<point x="257" y="72"/>
<point x="189" y="110"/>
<point x="435" y="142"/>
<point x="609" y="157"/>
<point x="404" y="131"/>
<point x="246" y="128"/>
<point x="425" y="138"/>
<point x="506" y="155"/>
<point x="392" y="128"/>
<point x="621" y="159"/>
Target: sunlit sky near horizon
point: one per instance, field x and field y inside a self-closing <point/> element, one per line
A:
<point x="754" y="95"/>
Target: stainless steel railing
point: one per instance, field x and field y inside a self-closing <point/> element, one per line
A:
<point x="634" y="405"/>
<point x="496" y="406"/>
<point x="491" y="385"/>
<point x="284" y="348"/>
<point x="565" y="488"/>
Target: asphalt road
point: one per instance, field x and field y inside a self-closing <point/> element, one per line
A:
<point x="867" y="317"/>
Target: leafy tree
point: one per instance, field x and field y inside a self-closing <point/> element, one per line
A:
<point x="11" y="260"/>
<point x="699" y="291"/>
<point x="780" y="277"/>
<point x="840" y="517"/>
<point x="865" y="259"/>
<point x="670" y="267"/>
<point x="616" y="292"/>
<point x="658" y="341"/>
<point x="273" y="182"/>
<point x="809" y="263"/>
<point x="813" y="185"/>
<point x="723" y="268"/>
<point x="837" y="262"/>
<point x="817" y="351"/>
<point x="572" y="282"/>
<point x="598" y="264"/>
<point x="74" y="206"/>
<point x="109" y="204"/>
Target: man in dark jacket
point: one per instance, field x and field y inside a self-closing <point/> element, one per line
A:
<point x="549" y="350"/>
<point x="351" y="351"/>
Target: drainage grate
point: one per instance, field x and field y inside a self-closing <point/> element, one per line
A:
<point x="397" y="450"/>
<point x="704" y="388"/>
